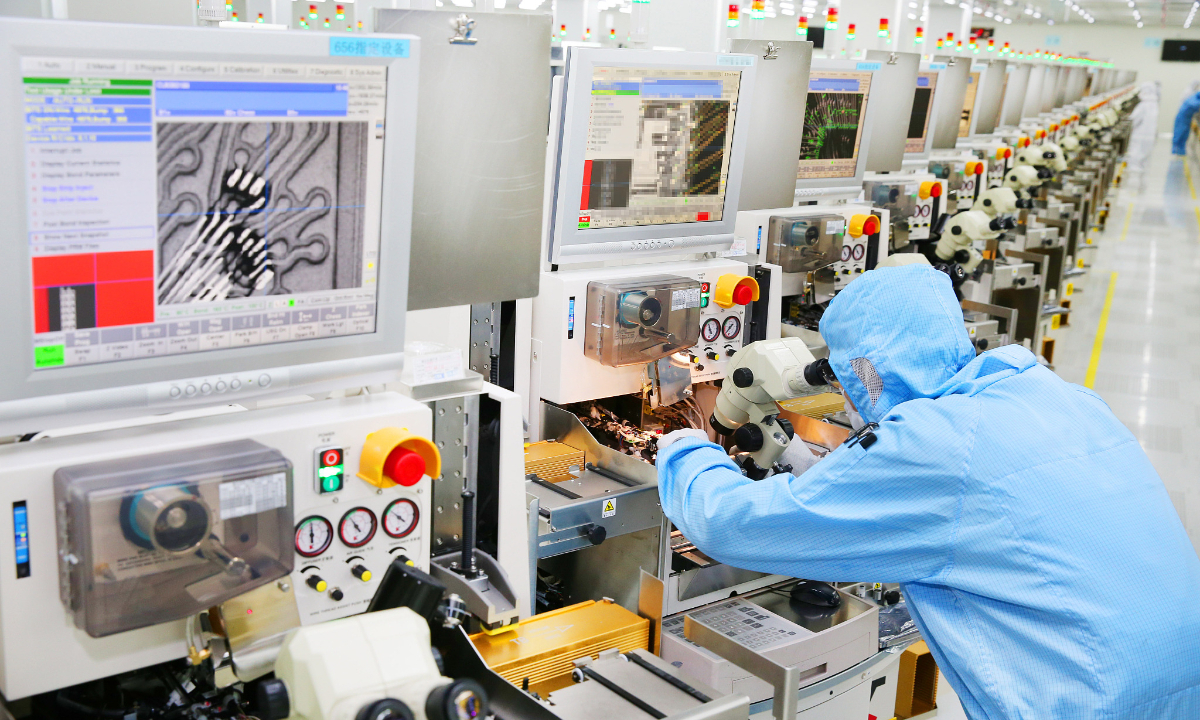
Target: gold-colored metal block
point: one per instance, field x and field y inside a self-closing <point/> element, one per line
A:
<point x="553" y="461"/>
<point x="814" y="406"/>
<point x="544" y="647"/>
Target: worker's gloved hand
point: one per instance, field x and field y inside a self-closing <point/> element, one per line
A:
<point x="671" y="437"/>
<point x="798" y="456"/>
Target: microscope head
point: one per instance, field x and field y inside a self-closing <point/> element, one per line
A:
<point x="996" y="201"/>
<point x="1054" y="157"/>
<point x="1022" y="177"/>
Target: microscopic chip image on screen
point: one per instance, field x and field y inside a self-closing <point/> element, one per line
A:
<point x="918" y="122"/>
<point x="254" y="208"/>
<point x="833" y="124"/>
<point x="658" y="146"/>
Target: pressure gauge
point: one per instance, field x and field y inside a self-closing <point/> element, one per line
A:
<point x="732" y="327"/>
<point x="400" y="518"/>
<point x="710" y="330"/>
<point x="313" y="535"/>
<point x="845" y="253"/>
<point x="859" y="252"/>
<point x="357" y="527"/>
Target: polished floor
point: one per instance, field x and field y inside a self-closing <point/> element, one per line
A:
<point x="1148" y="366"/>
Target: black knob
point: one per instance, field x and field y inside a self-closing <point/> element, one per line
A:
<point x="361" y="572"/>
<point x="315" y="582"/>
<point x="712" y="355"/>
<point x="961" y="256"/>
<point x="716" y="425"/>
<point x="981" y="343"/>
<point x="460" y="700"/>
<point x="336" y="595"/>
<point x="1019" y="281"/>
<point x="596" y="534"/>
<point x="385" y="709"/>
<point x="748" y="438"/>
<point x="786" y="426"/>
<point x="956" y="230"/>
<point x="891" y="597"/>
<point x="743" y="377"/>
<point x="987" y="202"/>
<point x="271" y="700"/>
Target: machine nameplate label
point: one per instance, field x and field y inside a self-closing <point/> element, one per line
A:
<point x="254" y="495"/>
<point x="361" y="47"/>
<point x="686" y="298"/>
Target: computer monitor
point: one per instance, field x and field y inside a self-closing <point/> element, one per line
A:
<point x="201" y="213"/>
<point x="917" y="144"/>
<point x="650" y="147"/>
<point x="1014" y="94"/>
<point x="988" y="98"/>
<point x="837" y="126"/>
<point x="968" y="107"/>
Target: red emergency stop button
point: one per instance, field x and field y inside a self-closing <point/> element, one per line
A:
<point x="936" y="190"/>
<point x="404" y="467"/>
<point x="979" y="168"/>
<point x="863" y="225"/>
<point x="734" y="289"/>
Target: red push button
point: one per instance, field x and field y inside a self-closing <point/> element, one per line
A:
<point x="743" y="294"/>
<point x="871" y="225"/>
<point x="405" y="467"/>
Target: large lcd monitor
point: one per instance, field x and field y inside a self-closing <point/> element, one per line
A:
<point x="201" y="203"/>
<point x="1180" y="51"/>
<point x="836" y="126"/>
<point x="650" y="148"/>
<point x="917" y="143"/>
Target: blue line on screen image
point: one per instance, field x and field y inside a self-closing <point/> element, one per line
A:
<point x="833" y="84"/>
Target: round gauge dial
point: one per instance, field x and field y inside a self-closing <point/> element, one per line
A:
<point x="732" y="327"/>
<point x="845" y="252"/>
<point x="859" y="252"/>
<point x="357" y="527"/>
<point x="400" y="518"/>
<point x="710" y="330"/>
<point x="313" y="535"/>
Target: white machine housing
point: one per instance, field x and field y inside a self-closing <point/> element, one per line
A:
<point x="563" y="373"/>
<point x="752" y="227"/>
<point x="40" y="647"/>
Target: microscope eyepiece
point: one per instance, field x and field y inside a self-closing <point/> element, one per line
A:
<point x="818" y="373"/>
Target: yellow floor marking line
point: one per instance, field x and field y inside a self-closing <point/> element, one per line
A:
<point x="1128" y="217"/>
<point x="1089" y="381"/>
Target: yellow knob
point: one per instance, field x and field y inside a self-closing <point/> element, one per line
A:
<point x="366" y="577"/>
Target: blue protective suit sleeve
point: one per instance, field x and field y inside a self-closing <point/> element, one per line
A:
<point x="888" y="513"/>
<point x="1183" y="124"/>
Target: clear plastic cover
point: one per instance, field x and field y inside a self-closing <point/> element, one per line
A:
<point x="641" y="319"/>
<point x="805" y="244"/>
<point x="155" y="538"/>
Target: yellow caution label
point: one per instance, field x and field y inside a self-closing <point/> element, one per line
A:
<point x="610" y="508"/>
<point x="1055" y="321"/>
<point x="1070" y="290"/>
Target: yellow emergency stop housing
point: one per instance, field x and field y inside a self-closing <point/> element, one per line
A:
<point x="381" y="443"/>
<point x="970" y="168"/>
<point x="925" y="190"/>
<point x="727" y="283"/>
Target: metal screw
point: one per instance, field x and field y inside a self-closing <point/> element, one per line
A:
<point x="441" y="412"/>
<point x="283" y="586"/>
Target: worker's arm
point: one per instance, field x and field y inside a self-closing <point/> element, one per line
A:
<point x="887" y="513"/>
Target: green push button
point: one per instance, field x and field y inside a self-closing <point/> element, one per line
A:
<point x="49" y="355"/>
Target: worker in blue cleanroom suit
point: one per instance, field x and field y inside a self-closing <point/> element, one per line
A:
<point x="1183" y="124"/>
<point x="1037" y="548"/>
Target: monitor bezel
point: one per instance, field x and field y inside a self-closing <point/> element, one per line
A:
<point x="860" y="166"/>
<point x="18" y="38"/>
<point x="678" y="238"/>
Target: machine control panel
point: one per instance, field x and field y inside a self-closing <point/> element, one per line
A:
<point x="350" y="526"/>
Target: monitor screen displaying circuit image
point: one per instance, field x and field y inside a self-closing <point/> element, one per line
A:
<point x="658" y="146"/>
<point x="964" y="123"/>
<point x="177" y="208"/>
<point x="834" y="118"/>
<point x="922" y="110"/>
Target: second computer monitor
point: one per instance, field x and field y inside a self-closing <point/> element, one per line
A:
<point x="836" y="127"/>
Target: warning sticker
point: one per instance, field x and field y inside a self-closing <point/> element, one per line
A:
<point x="247" y="497"/>
<point x="684" y="299"/>
<point x="610" y="508"/>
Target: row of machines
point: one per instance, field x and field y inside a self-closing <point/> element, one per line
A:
<point x="203" y="525"/>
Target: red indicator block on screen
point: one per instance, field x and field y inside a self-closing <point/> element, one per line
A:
<point x="77" y="292"/>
